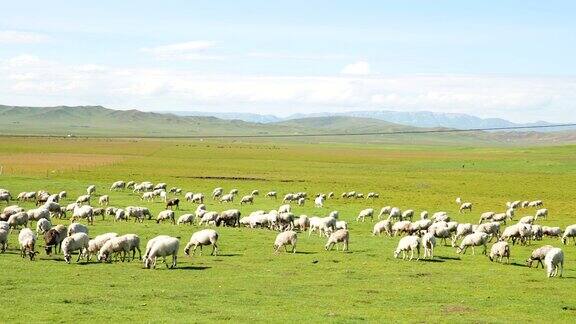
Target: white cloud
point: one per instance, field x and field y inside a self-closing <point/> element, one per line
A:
<point x="357" y="68"/>
<point x="29" y="80"/>
<point x="20" y="37"/>
<point x="193" y="50"/>
<point x="291" y="56"/>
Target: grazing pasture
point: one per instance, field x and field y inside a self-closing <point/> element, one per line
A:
<point x="246" y="281"/>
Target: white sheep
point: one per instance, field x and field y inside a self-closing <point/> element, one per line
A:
<point x="302" y="223"/>
<point x="198" y="198"/>
<point x="409" y="213"/>
<point x="188" y="196"/>
<point x="3" y="240"/>
<point x="301" y="201"/>
<point x="428" y="241"/>
<point x="341" y="225"/>
<point x="569" y="232"/>
<point x="486" y="216"/>
<point x="382" y="226"/>
<point x="285" y="238"/>
<point x="500" y="250"/>
<point x="76" y="228"/>
<point x="554" y="261"/>
<point x="118" y="185"/>
<point x="83" y="199"/>
<point x="408" y="243"/>
<point x="319" y="202"/>
<point x="339" y="236"/>
<point x="121" y="244"/>
<point x="163" y="247"/>
<point x="120" y="215"/>
<point x="247" y="199"/>
<point x="43" y="226"/>
<point x="95" y="244"/>
<point x="527" y="220"/>
<point x="465" y="206"/>
<point x="76" y="242"/>
<point x="227" y="198"/>
<point x="18" y="219"/>
<point x="395" y="212"/>
<point x="217" y="192"/>
<point x="461" y="231"/>
<point x="91" y="189"/>
<point x="201" y="238"/>
<point x="474" y="239"/>
<point x="458" y="201"/>
<point x="208" y="218"/>
<point x="166" y="215"/>
<point x="551" y="231"/>
<point x="424" y="214"/>
<point x="541" y="213"/>
<point x="284" y="209"/>
<point x="271" y="194"/>
<point x="384" y="211"/>
<point x="401" y="227"/>
<point x="27" y="241"/>
<point x="104" y="200"/>
<point x="38" y="213"/>
<point x="186" y="219"/>
<point x="82" y="212"/>
<point x="368" y="212"/>
<point x="538" y="255"/>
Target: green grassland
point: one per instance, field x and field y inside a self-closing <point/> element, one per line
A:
<point x="247" y="282"/>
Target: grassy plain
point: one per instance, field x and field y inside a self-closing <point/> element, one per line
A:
<point x="246" y="282"/>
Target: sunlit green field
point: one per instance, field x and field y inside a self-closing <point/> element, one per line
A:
<point x="247" y="282"/>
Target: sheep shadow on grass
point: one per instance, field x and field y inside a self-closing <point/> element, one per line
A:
<point x="433" y="260"/>
<point x="191" y="268"/>
<point x="448" y="258"/>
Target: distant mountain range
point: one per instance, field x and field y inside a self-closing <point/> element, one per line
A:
<point x="415" y="119"/>
<point x="103" y="122"/>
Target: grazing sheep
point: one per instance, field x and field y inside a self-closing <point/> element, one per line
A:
<point x="83" y="212"/>
<point x="440" y="216"/>
<point x="285" y="238"/>
<point x="554" y="261"/>
<point x="247" y="199"/>
<point x="27" y="241"/>
<point x="428" y="241"/>
<point x="541" y="213"/>
<point x="271" y="194"/>
<point x="500" y="250"/>
<point x="284" y="209"/>
<point x="76" y="242"/>
<point x="130" y="184"/>
<point x="138" y="213"/>
<point x="569" y="232"/>
<point x="395" y="212"/>
<point x="104" y="200"/>
<point x="53" y="238"/>
<point x="401" y="227"/>
<point x="285" y="221"/>
<point x="38" y="213"/>
<point x="121" y="244"/>
<point x="201" y="238"/>
<point x="538" y="255"/>
<point x="166" y="215"/>
<point x="461" y="231"/>
<point x="487" y="216"/>
<point x="407" y="214"/>
<point x="229" y="217"/>
<point x="474" y="239"/>
<point x="382" y="226"/>
<point x="408" y="243"/>
<point x="319" y="202"/>
<point x="43" y="226"/>
<point x="188" y="196"/>
<point x="492" y="229"/>
<point x="537" y="232"/>
<point x="9" y="211"/>
<point x="5" y="196"/>
<point x="424" y="214"/>
<point x="302" y="223"/>
<point x="301" y="201"/>
<point x="526" y="220"/>
<point x="186" y="219"/>
<point x="83" y="199"/>
<point x="421" y="225"/>
<point x="217" y="192"/>
<point x="384" y="211"/>
<point x="372" y="195"/>
<point x="62" y="195"/>
<point x="118" y="185"/>
<point x="536" y="203"/>
<point x="120" y="215"/>
<point x="173" y="202"/>
<point x="76" y="228"/>
<point x="339" y="236"/>
<point x="163" y="247"/>
<point x="341" y="225"/>
<point x="208" y="218"/>
<point x="18" y="219"/>
<point x="551" y="231"/>
<point x="3" y="240"/>
<point x="91" y="189"/>
<point x="441" y="232"/>
<point x="227" y="198"/>
<point x="466" y="206"/>
<point x="368" y="212"/>
<point x="323" y="225"/>
<point x="95" y="244"/>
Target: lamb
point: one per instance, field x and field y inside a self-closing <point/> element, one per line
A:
<point x="458" y="201"/>
<point x="91" y="189"/>
<point x="27" y="241"/>
<point x="18" y="219"/>
<point x="408" y="243"/>
<point x="474" y="239"/>
<point x="538" y="255"/>
<point x="541" y="213"/>
<point x="271" y="194"/>
<point x="319" y="202"/>
<point x="247" y="199"/>
<point x="201" y="238"/>
<point x="465" y="206"/>
<point x="382" y="226"/>
<point x="121" y="244"/>
<point x="554" y="261"/>
<point x="186" y="219"/>
<point x="166" y="215"/>
<point x="83" y="199"/>
<point x="368" y="212"/>
<point x="43" y="226"/>
<point x="428" y="241"/>
<point x="163" y="247"/>
<point x="500" y="250"/>
<point x="229" y="217"/>
<point x="76" y="228"/>
<point x="285" y="238"/>
<point x="83" y="212"/>
<point x="118" y="185"/>
<point x="227" y="198"/>
<point x="76" y="242"/>
<point x="95" y="244"/>
<point x="551" y="231"/>
<point x="3" y="240"/>
<point x="54" y="238"/>
<point x="340" y="236"/>
<point x="104" y="200"/>
<point x="569" y="232"/>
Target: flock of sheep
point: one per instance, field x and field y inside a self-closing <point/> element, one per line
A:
<point x="421" y="233"/>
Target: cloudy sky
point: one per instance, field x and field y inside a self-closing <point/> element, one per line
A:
<point x="509" y="59"/>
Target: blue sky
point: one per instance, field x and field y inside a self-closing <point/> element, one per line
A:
<point x="510" y="59"/>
